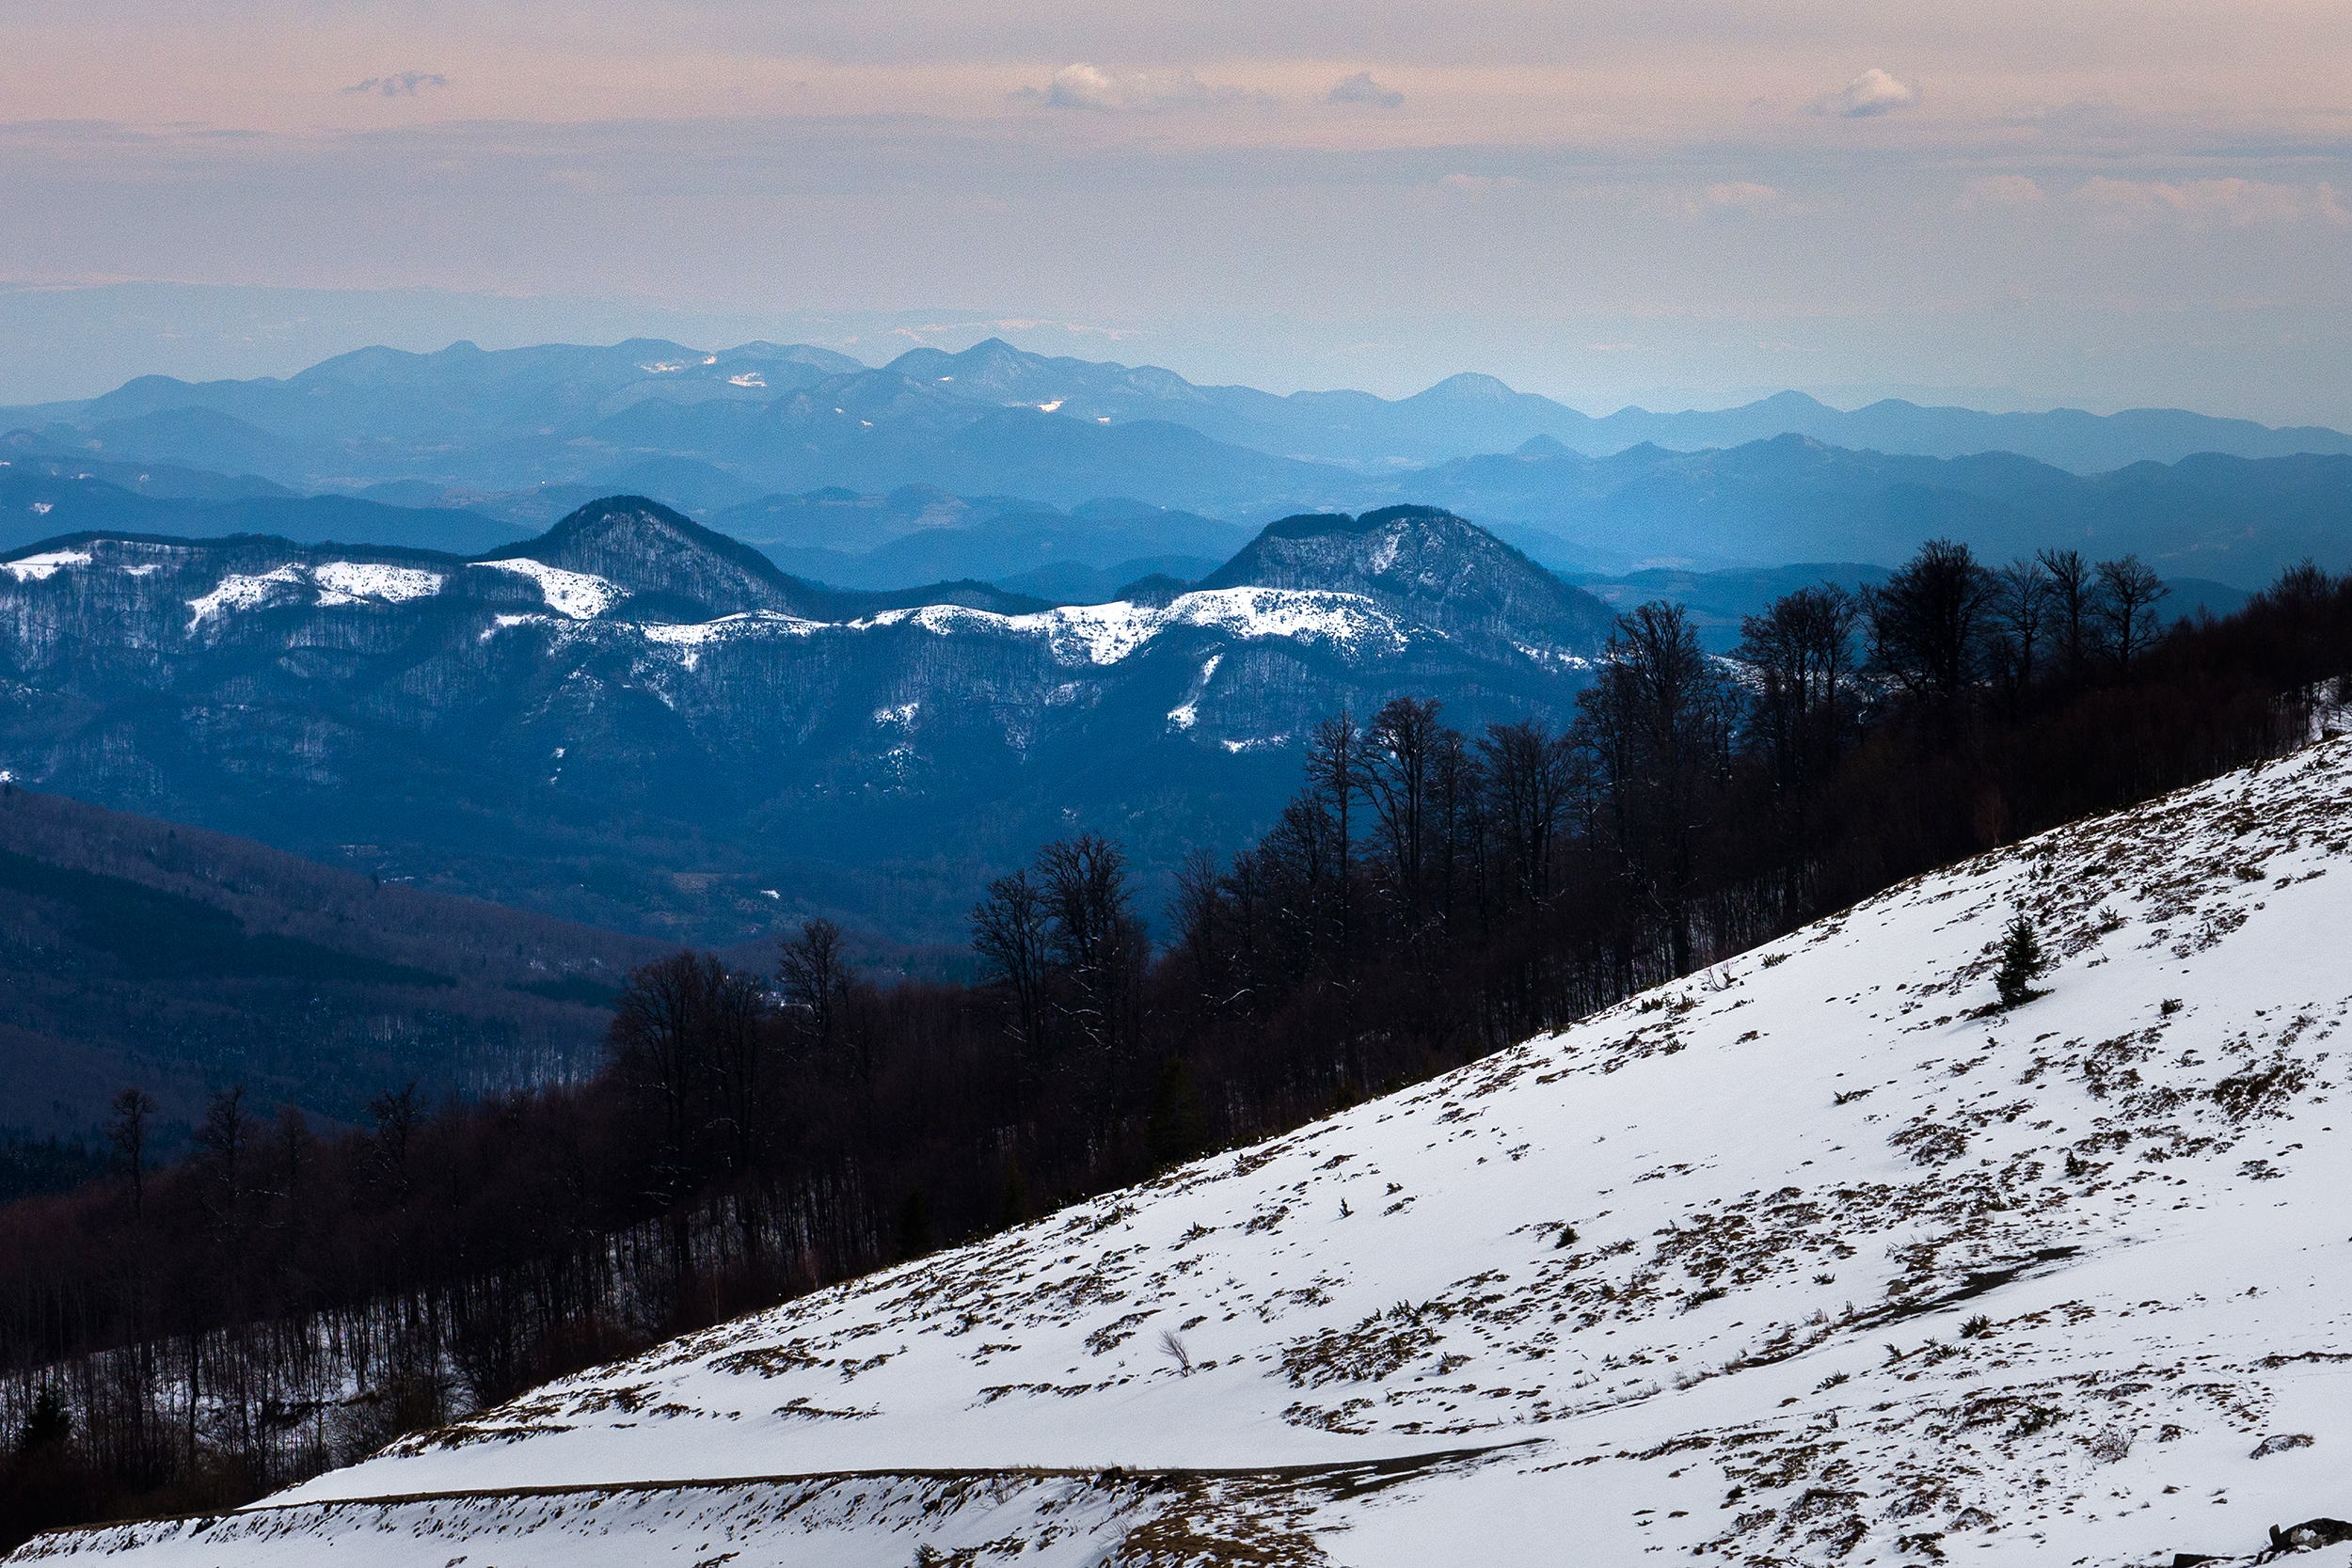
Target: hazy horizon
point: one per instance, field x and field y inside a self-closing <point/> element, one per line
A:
<point x="199" y="333"/>
<point x="2099" y="206"/>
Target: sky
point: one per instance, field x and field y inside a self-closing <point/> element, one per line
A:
<point x="1677" y="202"/>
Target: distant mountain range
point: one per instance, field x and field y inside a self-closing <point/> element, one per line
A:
<point x="635" y="722"/>
<point x="763" y="409"/>
<point x="1065" y="478"/>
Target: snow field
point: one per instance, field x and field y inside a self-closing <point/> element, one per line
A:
<point x="577" y="595"/>
<point x="1815" y="1258"/>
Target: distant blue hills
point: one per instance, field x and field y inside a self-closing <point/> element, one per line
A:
<point x="1061" y="477"/>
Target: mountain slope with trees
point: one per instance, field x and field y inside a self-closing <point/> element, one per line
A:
<point x="1889" y="1237"/>
<point x="1429" y="898"/>
<point x="148" y="953"/>
<point x="634" y="719"/>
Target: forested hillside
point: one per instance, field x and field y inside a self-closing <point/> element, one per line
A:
<point x="134" y="951"/>
<point x="283" y="1300"/>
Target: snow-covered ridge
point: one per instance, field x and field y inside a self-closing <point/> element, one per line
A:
<point x="240" y="591"/>
<point x="1818" y="1258"/>
<point x="350" y="582"/>
<point x="580" y="595"/>
<point x="334" y="582"/>
<point x="41" y="568"/>
<point x="1104" y="634"/>
<point x="1080" y="636"/>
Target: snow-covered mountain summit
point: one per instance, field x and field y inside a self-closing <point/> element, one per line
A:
<point x="1428" y="564"/>
<point x="679" y="569"/>
<point x="1821" y="1257"/>
<point x="629" y="678"/>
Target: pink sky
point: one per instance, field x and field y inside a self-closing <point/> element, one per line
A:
<point x="2106" y="203"/>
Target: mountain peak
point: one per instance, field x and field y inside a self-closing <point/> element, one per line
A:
<point x="1427" y="565"/>
<point x="1469" y="387"/>
<point x="666" y="562"/>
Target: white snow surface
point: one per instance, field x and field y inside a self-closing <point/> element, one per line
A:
<point x="581" y="595"/>
<point x="335" y="582"/>
<point x="1080" y="636"/>
<point x="354" y="580"/>
<point x="1815" y="1258"/>
<point x="1077" y="635"/>
<point x="243" y="591"/>
<point x="41" y="568"/>
<point x="1102" y="634"/>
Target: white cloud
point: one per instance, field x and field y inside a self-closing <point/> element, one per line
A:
<point x="2002" y="190"/>
<point x="401" y="85"/>
<point x="1873" y="92"/>
<point x="1080" y="86"/>
<point x="2230" y="203"/>
<point x="1361" y="89"/>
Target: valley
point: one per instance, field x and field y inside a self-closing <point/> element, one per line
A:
<point x="1815" y="1256"/>
<point x="1146" y="786"/>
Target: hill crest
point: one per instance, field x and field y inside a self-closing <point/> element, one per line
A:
<point x="1815" y="1258"/>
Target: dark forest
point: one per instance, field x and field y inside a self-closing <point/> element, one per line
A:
<point x="281" y="1300"/>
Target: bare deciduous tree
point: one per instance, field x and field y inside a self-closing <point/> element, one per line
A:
<point x="1009" y="932"/>
<point x="2129" y="591"/>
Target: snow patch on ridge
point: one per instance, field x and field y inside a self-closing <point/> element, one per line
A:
<point x="41" y="568"/>
<point x="690" y="638"/>
<point x="1105" y="634"/>
<point x="351" y="581"/>
<point x="581" y="595"/>
<point x="243" y="591"/>
<point x="336" y="583"/>
<point x="1185" y="714"/>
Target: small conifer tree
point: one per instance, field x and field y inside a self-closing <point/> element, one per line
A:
<point x="2021" y="962"/>
<point x="47" y="1426"/>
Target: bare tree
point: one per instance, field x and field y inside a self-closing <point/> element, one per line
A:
<point x="1094" y="933"/>
<point x="1197" y="912"/>
<point x="736" y="1044"/>
<point x="128" y="1130"/>
<point x="1460" y="797"/>
<point x="1401" y="760"/>
<point x="1802" y="652"/>
<point x="297" y="1150"/>
<point x="395" y="1113"/>
<point x="1526" y="769"/>
<point x="1928" y="621"/>
<point x="655" y="1040"/>
<point x="226" y="1131"/>
<point x="2073" y="605"/>
<point x="815" y="977"/>
<point x="2022" y="606"/>
<point x="1659" y="724"/>
<point x="1009" y="931"/>
<point x="1335" y="775"/>
<point x="2129" y="590"/>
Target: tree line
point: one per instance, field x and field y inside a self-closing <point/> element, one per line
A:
<point x="287" y="1298"/>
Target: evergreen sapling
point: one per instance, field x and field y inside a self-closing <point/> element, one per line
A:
<point x="2021" y="962"/>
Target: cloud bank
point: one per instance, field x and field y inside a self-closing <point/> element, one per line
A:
<point x="403" y="85"/>
<point x="1081" y="86"/>
<point x="1873" y="92"/>
<point x="1361" y="89"/>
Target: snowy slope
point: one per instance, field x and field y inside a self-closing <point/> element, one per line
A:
<point x="1814" y="1259"/>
